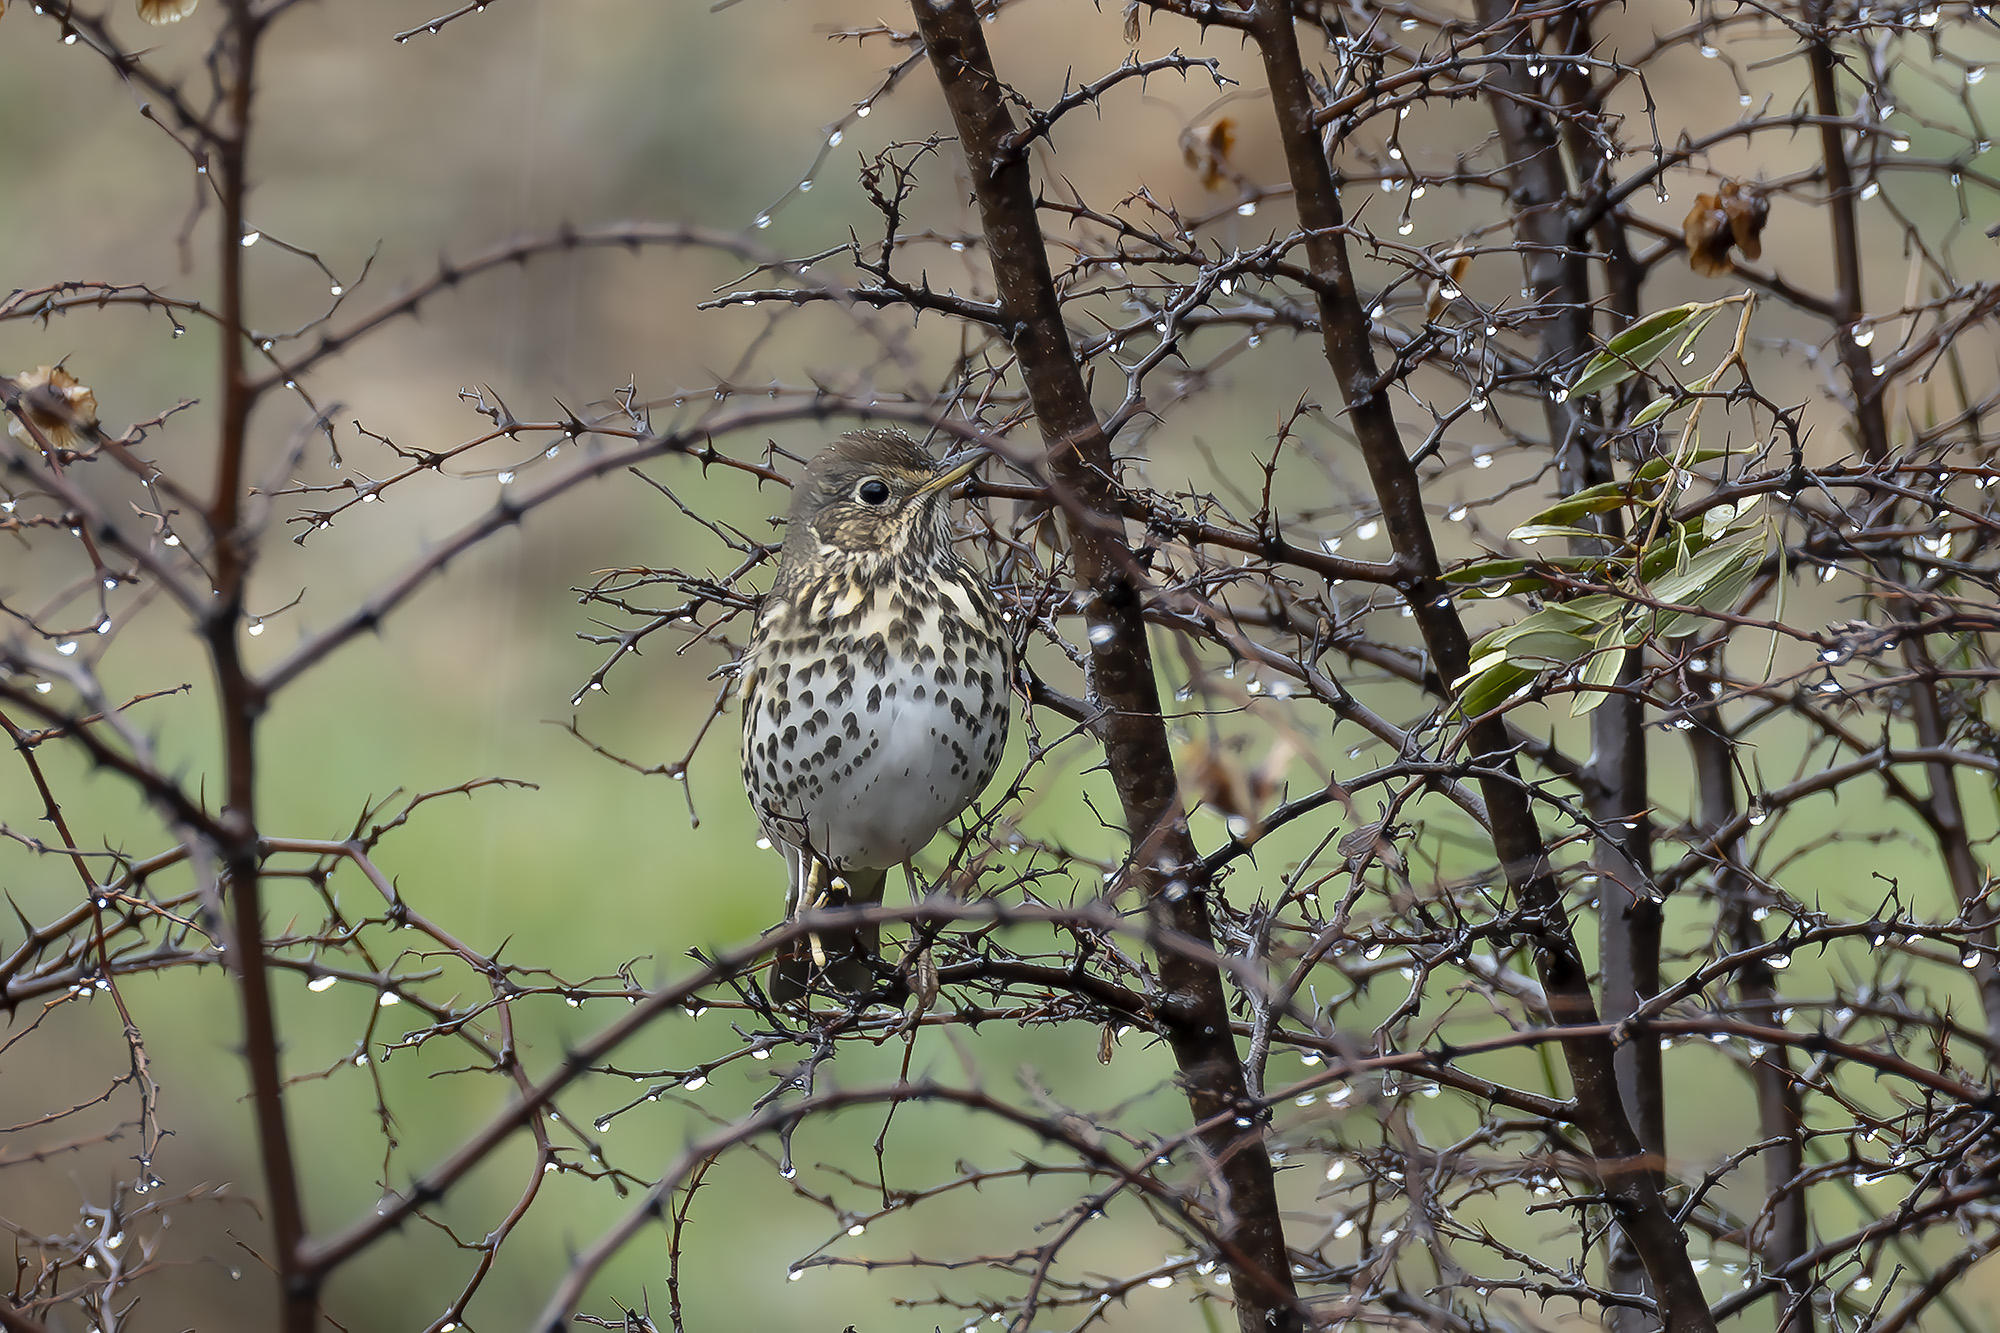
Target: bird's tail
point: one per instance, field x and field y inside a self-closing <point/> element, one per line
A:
<point x="849" y="954"/>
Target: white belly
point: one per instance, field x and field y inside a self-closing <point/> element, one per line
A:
<point x="900" y="770"/>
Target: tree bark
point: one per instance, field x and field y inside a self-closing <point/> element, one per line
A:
<point x="1193" y="1011"/>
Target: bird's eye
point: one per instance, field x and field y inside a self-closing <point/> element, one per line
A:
<point x="873" y="491"/>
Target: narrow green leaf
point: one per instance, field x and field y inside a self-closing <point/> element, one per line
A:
<point x="1654" y="410"/>
<point x="1700" y="323"/>
<point x="1599" y="670"/>
<point x="1632" y="350"/>
<point x="1594" y="500"/>
<point x="1492" y="687"/>
<point x="1546" y="647"/>
<point x="1656" y="468"/>
<point x="1712" y="581"/>
<point x="1685" y="585"/>
<point x="1532" y="532"/>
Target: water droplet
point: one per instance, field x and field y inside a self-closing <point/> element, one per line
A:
<point x="251" y="238"/>
<point x="863" y="110"/>
<point x="1482" y="460"/>
<point x="1863" y="335"/>
<point x="1708" y="52"/>
<point x="763" y="221"/>
<point x="1101" y="635"/>
<point x="1247" y="209"/>
<point x="1163" y="1281"/>
<point x="318" y="984"/>
<point x="1367" y="531"/>
<point x="67" y="649"/>
<point x="1871" y="189"/>
<point x="805" y="186"/>
<point x="506" y="477"/>
<point x="833" y="140"/>
<point x="697" y="1083"/>
<point x="1975" y="74"/>
<point x="1456" y="514"/>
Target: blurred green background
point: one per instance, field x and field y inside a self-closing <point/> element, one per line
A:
<point x="511" y="122"/>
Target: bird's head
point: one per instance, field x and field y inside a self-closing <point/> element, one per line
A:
<point x="872" y="494"/>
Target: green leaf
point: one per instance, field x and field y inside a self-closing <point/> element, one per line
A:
<point x="1654" y="410"/>
<point x="1685" y="584"/>
<point x="1712" y="580"/>
<point x="1594" y="500"/>
<point x="1492" y="687"/>
<point x="1724" y="517"/>
<point x="1680" y="353"/>
<point x="1508" y="576"/>
<point x="1599" y="670"/>
<point x="1480" y="570"/>
<point x="1596" y="611"/>
<point x="1544" y="646"/>
<point x="1656" y="468"/>
<point x="1633" y="349"/>
<point x="1534" y="532"/>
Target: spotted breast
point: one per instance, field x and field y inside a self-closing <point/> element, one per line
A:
<point x="875" y="690"/>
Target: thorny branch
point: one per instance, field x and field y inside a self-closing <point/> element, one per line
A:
<point x="1369" y="451"/>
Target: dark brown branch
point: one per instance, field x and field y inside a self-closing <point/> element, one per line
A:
<point x="1121" y="675"/>
<point x="1630" y="1175"/>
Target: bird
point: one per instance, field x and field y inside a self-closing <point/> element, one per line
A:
<point x="875" y="689"/>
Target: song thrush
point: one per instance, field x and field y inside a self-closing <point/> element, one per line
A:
<point x="875" y="688"/>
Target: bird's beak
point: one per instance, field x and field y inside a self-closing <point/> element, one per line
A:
<point x="956" y="471"/>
